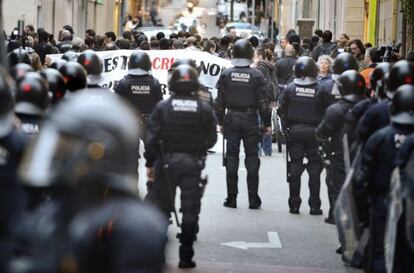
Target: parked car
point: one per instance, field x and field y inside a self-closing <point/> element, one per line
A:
<point x="243" y="27"/>
<point x="152" y="31"/>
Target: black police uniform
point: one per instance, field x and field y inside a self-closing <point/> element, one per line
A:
<point x="299" y="109"/>
<point x="242" y="91"/>
<point x="12" y="199"/>
<point x="404" y="244"/>
<point x="377" y="116"/>
<point x="144" y="92"/>
<point x="332" y="129"/>
<point x="97" y="224"/>
<point x="12" y="145"/>
<point x="180" y="131"/>
<point x="377" y="164"/>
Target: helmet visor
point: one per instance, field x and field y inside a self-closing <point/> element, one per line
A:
<point x="52" y="159"/>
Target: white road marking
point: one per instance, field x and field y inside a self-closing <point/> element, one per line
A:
<point x="274" y="242"/>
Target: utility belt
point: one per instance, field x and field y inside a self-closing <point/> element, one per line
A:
<point x="193" y="152"/>
<point x="242" y="109"/>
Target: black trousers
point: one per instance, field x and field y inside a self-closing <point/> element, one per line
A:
<point x="377" y="225"/>
<point x="302" y="143"/>
<point x="242" y="126"/>
<point x="335" y="177"/>
<point x="184" y="171"/>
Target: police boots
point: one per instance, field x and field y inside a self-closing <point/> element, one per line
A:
<point x="231" y="201"/>
<point x="186" y="255"/>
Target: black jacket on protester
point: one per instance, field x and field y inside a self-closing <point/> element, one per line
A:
<point x="267" y="68"/>
<point x="284" y="69"/>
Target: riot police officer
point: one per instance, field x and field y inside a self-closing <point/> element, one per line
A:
<point x="377" y="116"/>
<point x="299" y="109"/>
<point x="75" y="77"/>
<point x="32" y="100"/>
<point x="179" y="133"/>
<point x="400" y="226"/>
<point x="242" y="91"/>
<point x="94" y="172"/>
<point x="329" y="89"/>
<point x="70" y="56"/>
<point x="57" y="88"/>
<point x="139" y="87"/>
<point x="203" y="93"/>
<point x="12" y="144"/>
<point x="18" y="56"/>
<point x="378" y="86"/>
<point x="19" y="70"/>
<point x="93" y="66"/>
<point x="332" y="129"/>
<point x="377" y="164"/>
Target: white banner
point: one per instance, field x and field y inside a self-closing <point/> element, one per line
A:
<point x="115" y="65"/>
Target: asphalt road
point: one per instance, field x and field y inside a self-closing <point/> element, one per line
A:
<point x="298" y="243"/>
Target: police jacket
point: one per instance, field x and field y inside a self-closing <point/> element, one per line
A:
<point x="333" y="123"/>
<point x="376" y="117"/>
<point x="205" y="94"/>
<point x="30" y="124"/>
<point x="242" y="89"/>
<point x="328" y="95"/>
<point x="115" y="235"/>
<point x="354" y="115"/>
<point x="144" y="92"/>
<point x="11" y="193"/>
<point x="378" y="157"/>
<point x="181" y="124"/>
<point x="298" y="104"/>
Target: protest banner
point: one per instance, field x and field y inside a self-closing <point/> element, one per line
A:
<point x="115" y="66"/>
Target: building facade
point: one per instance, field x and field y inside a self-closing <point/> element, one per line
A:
<point x="101" y="15"/>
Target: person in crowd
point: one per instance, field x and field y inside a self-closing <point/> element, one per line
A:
<point x="284" y="66"/>
<point x="357" y="49"/>
<point x="372" y="57"/>
<point x="262" y="61"/>
<point x="65" y="43"/>
<point x="325" y="48"/>
<point x="325" y="65"/>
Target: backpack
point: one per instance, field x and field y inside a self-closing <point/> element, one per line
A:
<point x="326" y="50"/>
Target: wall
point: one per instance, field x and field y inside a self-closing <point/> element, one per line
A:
<point x="53" y="14"/>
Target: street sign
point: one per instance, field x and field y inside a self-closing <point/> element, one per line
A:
<point x="274" y="242"/>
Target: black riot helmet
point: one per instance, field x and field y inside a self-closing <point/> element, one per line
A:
<point x="305" y="71"/>
<point x="351" y="85"/>
<point x="343" y="62"/>
<point x="401" y="73"/>
<point x="189" y="62"/>
<point x="377" y="79"/>
<point x="19" y="56"/>
<point x="70" y="56"/>
<point x="184" y="80"/>
<point x="139" y="63"/>
<point x="57" y="64"/>
<point x="57" y="88"/>
<point x="74" y="75"/>
<point x="242" y="53"/>
<point x="19" y="70"/>
<point x="32" y="95"/>
<point x="402" y="105"/>
<point x="91" y="62"/>
<point x="6" y="103"/>
<point x="99" y="131"/>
